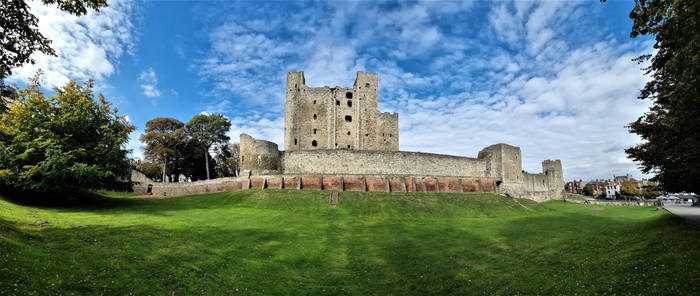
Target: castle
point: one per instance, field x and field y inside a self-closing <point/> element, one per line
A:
<point x="336" y="139"/>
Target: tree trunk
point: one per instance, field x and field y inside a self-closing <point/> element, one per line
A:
<point x="165" y="163"/>
<point x="206" y="160"/>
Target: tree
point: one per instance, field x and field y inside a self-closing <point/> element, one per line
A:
<point x="208" y="130"/>
<point x="227" y="160"/>
<point x="669" y="130"/>
<point x="164" y="137"/>
<point x="628" y="189"/>
<point x="588" y="190"/>
<point x="73" y="140"/>
<point x="20" y="35"/>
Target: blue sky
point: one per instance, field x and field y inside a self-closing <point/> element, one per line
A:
<point x="553" y="77"/>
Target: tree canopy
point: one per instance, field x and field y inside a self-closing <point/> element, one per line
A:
<point x="73" y="140"/>
<point x="164" y="138"/>
<point x="207" y="130"/>
<point x="627" y="188"/>
<point x="670" y="130"/>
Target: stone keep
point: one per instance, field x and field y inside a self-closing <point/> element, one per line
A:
<point x="337" y="117"/>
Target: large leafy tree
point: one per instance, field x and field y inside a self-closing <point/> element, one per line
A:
<point x="670" y="129"/>
<point x="208" y="130"/>
<point x="20" y="35"/>
<point x="73" y="140"/>
<point x="164" y="137"/>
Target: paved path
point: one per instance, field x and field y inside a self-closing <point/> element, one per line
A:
<point x="686" y="211"/>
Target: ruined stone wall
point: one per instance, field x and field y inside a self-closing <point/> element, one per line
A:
<point x="140" y="181"/>
<point x="337" y="117"/>
<point x="188" y="188"/>
<point x="540" y="187"/>
<point x="351" y="162"/>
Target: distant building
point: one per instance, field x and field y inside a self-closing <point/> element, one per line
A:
<point x="611" y="190"/>
<point x="575" y="187"/>
<point x="620" y="179"/>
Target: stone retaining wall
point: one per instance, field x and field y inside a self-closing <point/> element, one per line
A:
<point x="315" y="182"/>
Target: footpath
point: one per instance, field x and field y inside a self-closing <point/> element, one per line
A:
<point x="688" y="212"/>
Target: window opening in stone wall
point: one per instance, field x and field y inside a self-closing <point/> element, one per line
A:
<point x="382" y="133"/>
<point x="337" y="103"/>
<point x="390" y="135"/>
<point x="367" y="84"/>
<point x="348" y="133"/>
<point x="314" y="102"/>
<point x="349" y="103"/>
<point x="295" y="141"/>
<point x="314" y="143"/>
<point x="348" y="95"/>
<point x="348" y="118"/>
<point x="366" y="135"/>
<point x="314" y="131"/>
<point x="314" y="116"/>
<point x="348" y="146"/>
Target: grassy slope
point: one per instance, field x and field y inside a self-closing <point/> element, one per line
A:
<point x="291" y="242"/>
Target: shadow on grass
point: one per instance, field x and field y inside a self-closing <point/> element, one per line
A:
<point x="92" y="201"/>
<point x="82" y="200"/>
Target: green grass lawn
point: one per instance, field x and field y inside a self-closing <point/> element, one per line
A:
<point x="292" y="242"/>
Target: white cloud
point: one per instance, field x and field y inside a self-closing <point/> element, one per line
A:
<point x="87" y="47"/>
<point x="149" y="83"/>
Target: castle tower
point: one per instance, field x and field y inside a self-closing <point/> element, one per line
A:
<point x="337" y="117"/>
<point x="554" y="173"/>
<point x="294" y="81"/>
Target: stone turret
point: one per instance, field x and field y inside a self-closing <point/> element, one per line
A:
<point x="259" y="157"/>
<point x="503" y="162"/>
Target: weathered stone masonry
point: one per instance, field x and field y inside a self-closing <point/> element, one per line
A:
<point x="337" y="117"/>
<point x="336" y="139"/>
